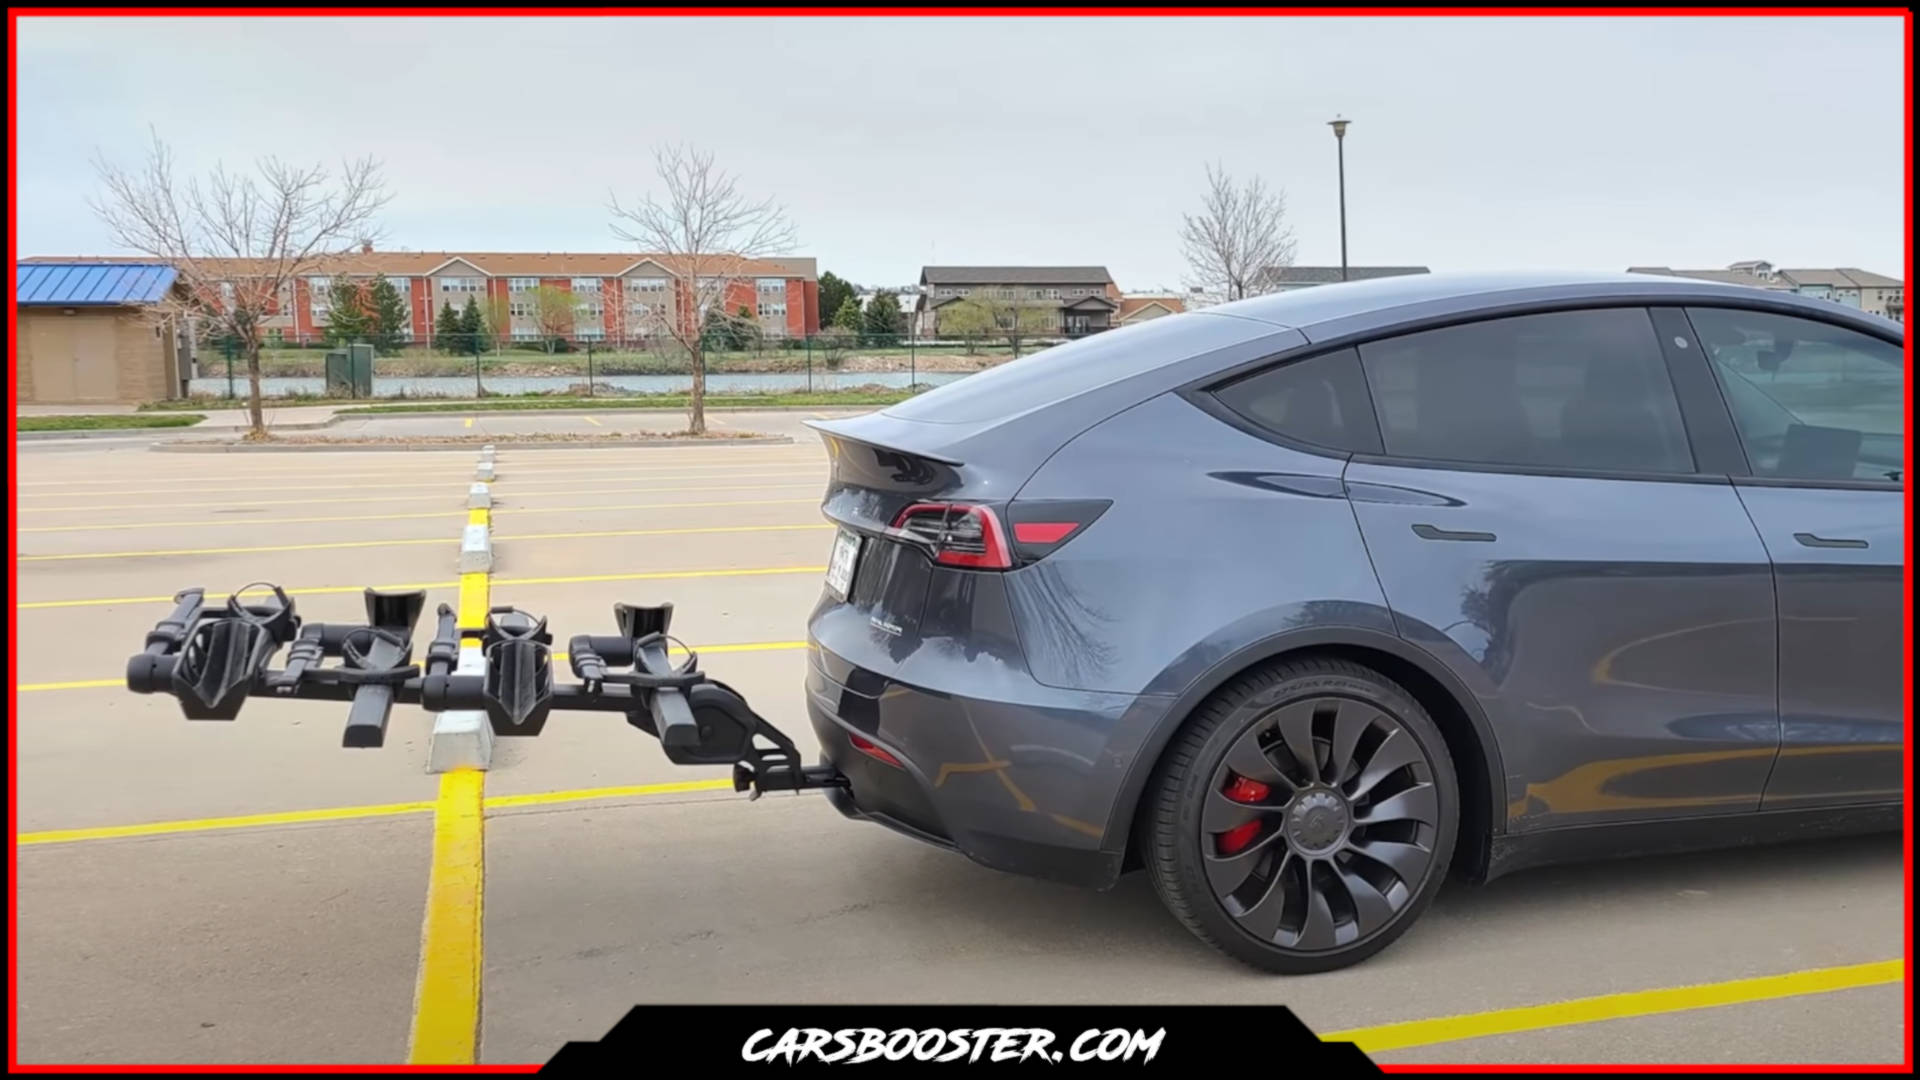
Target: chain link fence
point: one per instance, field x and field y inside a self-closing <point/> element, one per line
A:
<point x="584" y="366"/>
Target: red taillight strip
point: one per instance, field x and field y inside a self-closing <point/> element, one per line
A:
<point x="876" y="753"/>
<point x="1043" y="532"/>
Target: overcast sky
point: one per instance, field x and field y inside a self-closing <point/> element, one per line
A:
<point x="1476" y="143"/>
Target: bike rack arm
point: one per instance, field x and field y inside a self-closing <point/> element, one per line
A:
<point x="212" y="660"/>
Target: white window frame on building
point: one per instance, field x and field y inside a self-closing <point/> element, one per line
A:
<point x="647" y="284"/>
<point x="462" y="286"/>
<point x="586" y="285"/>
<point x="772" y="310"/>
<point x="771" y="285"/>
<point x="522" y="284"/>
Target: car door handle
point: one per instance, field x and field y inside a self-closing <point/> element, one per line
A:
<point x="1810" y="540"/>
<point x="1428" y="532"/>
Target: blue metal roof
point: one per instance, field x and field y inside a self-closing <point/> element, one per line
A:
<point x="76" y="284"/>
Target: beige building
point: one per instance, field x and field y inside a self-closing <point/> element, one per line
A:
<point x="91" y="334"/>
<point x="1073" y="300"/>
<point x="1875" y="294"/>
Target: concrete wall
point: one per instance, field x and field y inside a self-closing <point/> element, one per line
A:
<point x="94" y="355"/>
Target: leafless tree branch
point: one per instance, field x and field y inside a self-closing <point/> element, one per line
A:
<point x="239" y="241"/>
<point x="1239" y="240"/>
<point x="708" y="234"/>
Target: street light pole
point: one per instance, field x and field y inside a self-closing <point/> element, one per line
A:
<point x="1339" y="127"/>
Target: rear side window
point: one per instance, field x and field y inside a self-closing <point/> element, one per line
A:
<point x="1813" y="401"/>
<point x="1320" y="400"/>
<point x="1583" y="390"/>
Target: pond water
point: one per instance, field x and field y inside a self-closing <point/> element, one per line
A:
<point x="717" y="383"/>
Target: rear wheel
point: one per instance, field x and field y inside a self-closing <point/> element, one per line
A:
<point x="1304" y="817"/>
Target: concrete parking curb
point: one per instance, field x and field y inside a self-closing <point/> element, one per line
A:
<point x="222" y="447"/>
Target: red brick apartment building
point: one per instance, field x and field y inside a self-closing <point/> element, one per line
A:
<point x="622" y="294"/>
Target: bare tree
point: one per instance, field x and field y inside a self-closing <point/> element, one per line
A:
<point x="239" y="243"/>
<point x="1239" y="241"/>
<point x="707" y="235"/>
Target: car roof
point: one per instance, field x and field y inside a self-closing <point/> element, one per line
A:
<point x="1348" y="306"/>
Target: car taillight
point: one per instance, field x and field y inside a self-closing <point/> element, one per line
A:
<point x="958" y="534"/>
<point x="869" y="748"/>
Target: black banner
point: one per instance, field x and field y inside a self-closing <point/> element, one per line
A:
<point x="1063" y="1036"/>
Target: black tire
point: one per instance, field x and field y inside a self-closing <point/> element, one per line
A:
<point x="1385" y="847"/>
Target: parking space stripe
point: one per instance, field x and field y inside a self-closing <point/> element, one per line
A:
<point x="324" y="590"/>
<point x="446" y="1012"/>
<point x="356" y="813"/>
<point x="550" y="462"/>
<point x="776" y="481"/>
<point x="203" y="522"/>
<point x="473" y="601"/>
<point x="1401" y="1036"/>
<point x="411" y="542"/>
<point x="592" y="421"/>
<point x="243" y="821"/>
<point x="559" y="657"/>
<point x="426" y="482"/>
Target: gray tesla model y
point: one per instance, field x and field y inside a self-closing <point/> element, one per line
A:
<point x="1306" y="601"/>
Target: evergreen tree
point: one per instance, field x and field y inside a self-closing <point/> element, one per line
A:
<point x="388" y="323"/>
<point x="885" y="322"/>
<point x="347" y="314"/>
<point x="447" y="328"/>
<point x="834" y="291"/>
<point x="847" y="316"/>
<point x="473" y="327"/>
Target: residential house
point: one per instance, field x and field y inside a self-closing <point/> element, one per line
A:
<point x="1873" y="293"/>
<point x="1074" y="300"/>
<point x="1142" y="307"/>
<point x="1289" y="278"/>
<point x="623" y="297"/>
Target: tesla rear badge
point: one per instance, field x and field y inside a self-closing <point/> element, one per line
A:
<point x="878" y="623"/>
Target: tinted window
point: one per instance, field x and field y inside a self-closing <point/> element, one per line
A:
<point x="1812" y="401"/>
<point x="1320" y="400"/>
<point x="1573" y="389"/>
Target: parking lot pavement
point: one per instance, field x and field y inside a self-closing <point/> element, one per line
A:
<point x="613" y="877"/>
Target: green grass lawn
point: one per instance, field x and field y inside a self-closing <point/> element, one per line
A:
<point x="106" y="422"/>
<point x="656" y="401"/>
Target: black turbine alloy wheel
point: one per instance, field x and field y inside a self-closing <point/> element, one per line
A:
<point x="1304" y="817"/>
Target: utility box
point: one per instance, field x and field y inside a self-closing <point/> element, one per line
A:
<point x="350" y="372"/>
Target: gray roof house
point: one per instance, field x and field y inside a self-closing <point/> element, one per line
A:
<point x="1074" y="300"/>
<point x="1286" y="278"/>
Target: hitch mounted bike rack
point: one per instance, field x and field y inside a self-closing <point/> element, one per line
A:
<point x="214" y="659"/>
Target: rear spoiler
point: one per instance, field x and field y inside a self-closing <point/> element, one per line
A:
<point x="850" y="430"/>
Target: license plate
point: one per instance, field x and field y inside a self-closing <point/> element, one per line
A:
<point x="846" y="554"/>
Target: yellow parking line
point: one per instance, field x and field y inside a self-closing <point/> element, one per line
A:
<point x="551" y="798"/>
<point x="232" y="550"/>
<point x="781" y="481"/>
<point x="592" y="421"/>
<point x="202" y="522"/>
<point x="559" y="657"/>
<point x="550" y="461"/>
<point x="1385" y="1037"/>
<point x="426" y="480"/>
<point x="403" y="543"/>
<point x="353" y="813"/>
<point x="473" y="601"/>
<point x="244" y="821"/>
<point x="324" y="590"/>
<point x="469" y="422"/>
<point x="446" y="1009"/>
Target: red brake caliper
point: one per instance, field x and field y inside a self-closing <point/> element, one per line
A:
<point x="1242" y="790"/>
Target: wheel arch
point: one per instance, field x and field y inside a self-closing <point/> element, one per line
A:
<point x="1463" y="724"/>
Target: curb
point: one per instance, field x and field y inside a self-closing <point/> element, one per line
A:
<point x="131" y="433"/>
<point x="342" y="446"/>
<point x="598" y="412"/>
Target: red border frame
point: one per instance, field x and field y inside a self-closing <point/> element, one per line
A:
<point x="12" y="460"/>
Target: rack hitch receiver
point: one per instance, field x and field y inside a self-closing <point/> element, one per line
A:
<point x="212" y="659"/>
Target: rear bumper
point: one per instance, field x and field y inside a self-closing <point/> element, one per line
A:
<point x="1017" y="776"/>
